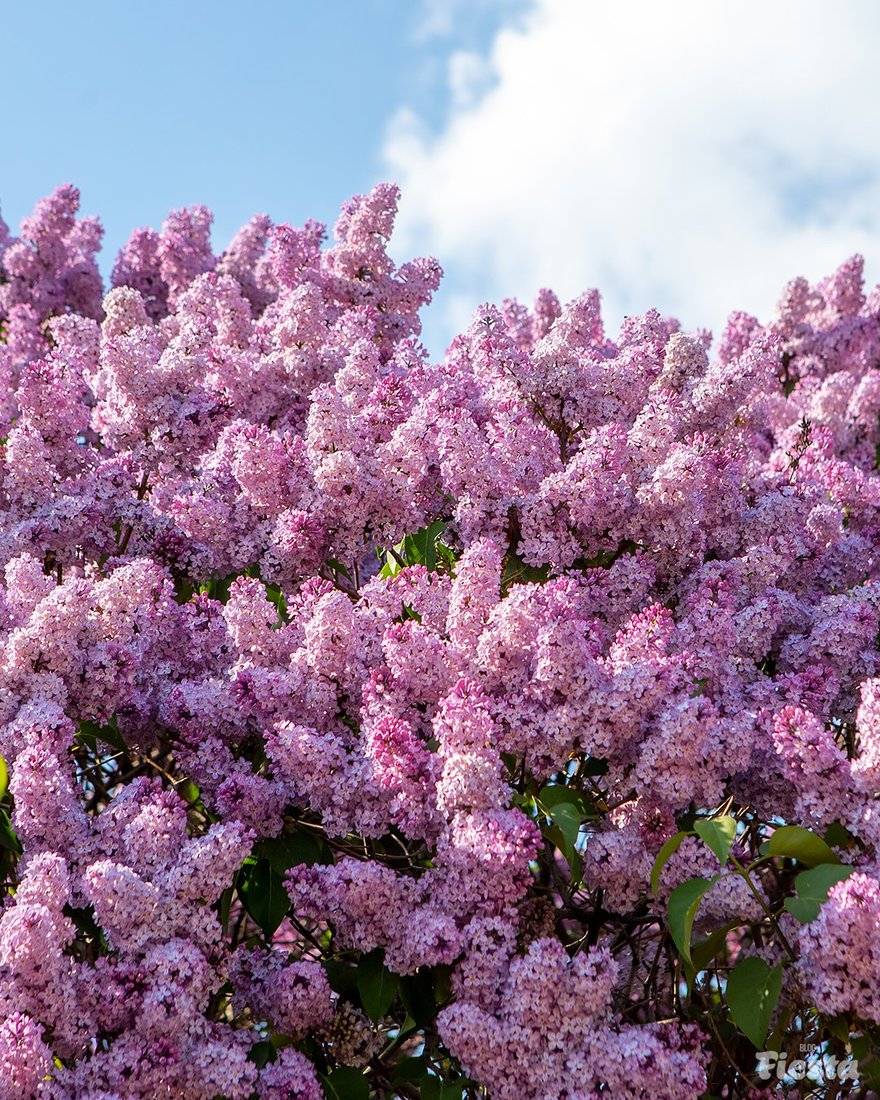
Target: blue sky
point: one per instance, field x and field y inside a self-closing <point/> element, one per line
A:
<point x="258" y="106"/>
<point x="692" y="156"/>
<point x="279" y="107"/>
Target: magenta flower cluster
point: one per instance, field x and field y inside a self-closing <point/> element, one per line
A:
<point x="347" y="699"/>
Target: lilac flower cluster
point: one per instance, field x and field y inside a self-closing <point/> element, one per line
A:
<point x="335" y="683"/>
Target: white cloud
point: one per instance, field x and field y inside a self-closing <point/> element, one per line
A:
<point x="692" y="155"/>
<point x="446" y="18"/>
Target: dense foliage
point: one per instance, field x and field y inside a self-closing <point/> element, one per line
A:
<point x="503" y="727"/>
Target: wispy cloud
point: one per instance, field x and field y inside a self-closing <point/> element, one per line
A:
<point x="446" y="19"/>
<point x="691" y="155"/>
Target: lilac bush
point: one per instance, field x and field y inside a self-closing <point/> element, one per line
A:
<point x="503" y="727"/>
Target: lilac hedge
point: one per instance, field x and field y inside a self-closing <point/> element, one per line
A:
<point x="505" y="727"/>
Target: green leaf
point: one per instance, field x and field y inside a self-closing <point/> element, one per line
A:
<point x="421" y="548"/>
<point x="89" y="930"/>
<point x="190" y="793"/>
<point x="92" y="732"/>
<point x="752" y="992"/>
<point x="338" y="567"/>
<point x="668" y="850"/>
<point x="839" y="1027"/>
<point x="346" y="1083"/>
<point x="559" y="840"/>
<point x="291" y="850"/>
<point x="276" y="597"/>
<point x="8" y="838"/>
<point x="409" y="1071"/>
<point x="262" y="1053"/>
<point x="683" y="905"/>
<point x="224" y="908"/>
<point x="516" y="571"/>
<point x="812" y="887"/>
<point x="796" y="843"/>
<point x="568" y="817"/>
<point x="555" y="793"/>
<point x="262" y="893"/>
<point x="434" y="1088"/>
<point x="705" y="950"/>
<point x="4" y="777"/>
<point x="417" y="994"/>
<point x="869" y="1066"/>
<point x="376" y="985"/>
<point x="837" y="836"/>
<point x="342" y="976"/>
<point x="718" y="834"/>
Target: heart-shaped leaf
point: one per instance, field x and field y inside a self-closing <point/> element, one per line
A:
<point x="684" y="902"/>
<point x="262" y="892"/>
<point x="798" y="843"/>
<point x="812" y="888"/>
<point x="718" y="834"/>
<point x="668" y="850"/>
<point x="752" y="992"/>
<point x="346" y="1083"/>
<point x="376" y="985"/>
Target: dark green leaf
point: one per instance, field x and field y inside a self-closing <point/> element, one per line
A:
<point x="869" y="1066"/>
<point x="836" y="836"/>
<point x="4" y="777"/>
<point x="752" y="992"/>
<point x="510" y="761"/>
<point x="796" y="843"/>
<point x="8" y="838"/>
<point x="559" y="840"/>
<point x="442" y="984"/>
<point x="108" y="732"/>
<point x="291" y="850"/>
<point x="718" y="834"/>
<point x="417" y="994"/>
<point x="838" y="1027"/>
<point x="376" y="984"/>
<point x="663" y="856"/>
<point x="705" y="950"/>
<point x="568" y="817"/>
<point x="262" y="1053"/>
<point x="224" y="908"/>
<point x="812" y="887"/>
<point x="276" y="597"/>
<point x="89" y="929"/>
<point x="683" y="905"/>
<point x="346" y="1083"/>
<point x="516" y="571"/>
<point x="339" y="568"/>
<point x="409" y="1071"/>
<point x="342" y="976"/>
<point x="434" y="1088"/>
<point x="262" y="892"/>
<point x="554" y="794"/>
<point x="183" y="589"/>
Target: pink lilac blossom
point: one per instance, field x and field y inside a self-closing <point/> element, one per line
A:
<point x="295" y="623"/>
<point x="839" y="963"/>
